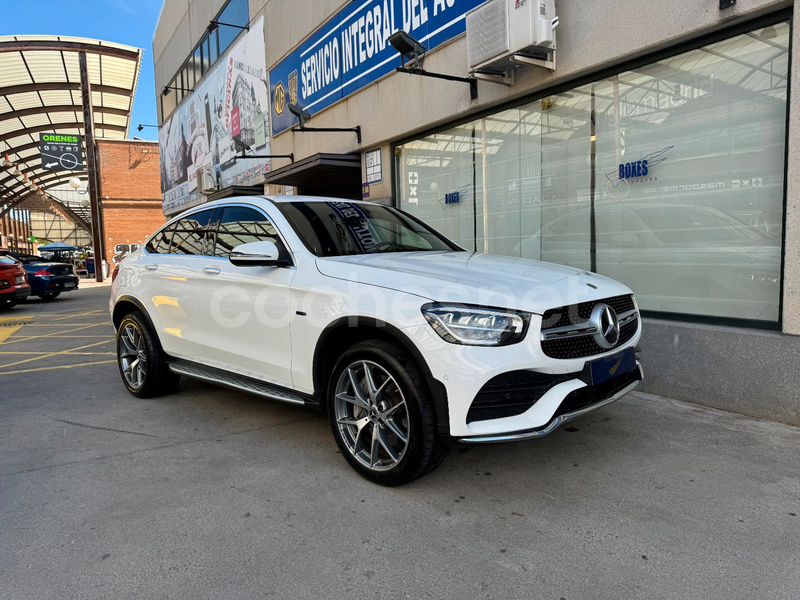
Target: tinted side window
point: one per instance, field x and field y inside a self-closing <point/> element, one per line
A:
<point x="240" y="225"/>
<point x="190" y="234"/>
<point x="160" y="242"/>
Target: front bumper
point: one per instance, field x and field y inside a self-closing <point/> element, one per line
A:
<point x="462" y="373"/>
<point x="557" y="421"/>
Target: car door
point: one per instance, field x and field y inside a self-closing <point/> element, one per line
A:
<point x="168" y="272"/>
<point x="245" y="310"/>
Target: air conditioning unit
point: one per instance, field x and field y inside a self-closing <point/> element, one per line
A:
<point x="206" y="182"/>
<point x="502" y="34"/>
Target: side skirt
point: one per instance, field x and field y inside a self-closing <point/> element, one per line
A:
<point x="242" y="383"/>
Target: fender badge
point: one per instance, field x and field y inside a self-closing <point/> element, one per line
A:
<point x="591" y="285"/>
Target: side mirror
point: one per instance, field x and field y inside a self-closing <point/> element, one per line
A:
<point x="257" y="254"/>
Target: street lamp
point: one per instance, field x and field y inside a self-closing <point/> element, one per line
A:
<point x="141" y="126"/>
<point x="214" y="25"/>
<point x="407" y="46"/>
<point x="301" y="114"/>
<point x="410" y="48"/>
<point x="304" y="116"/>
<point x="168" y="88"/>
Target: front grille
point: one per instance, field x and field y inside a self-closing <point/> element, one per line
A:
<point x="576" y="347"/>
<point x="578" y="313"/>
<point x="511" y="394"/>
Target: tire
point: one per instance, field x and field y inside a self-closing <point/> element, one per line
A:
<point x="49" y="296"/>
<point x="142" y="362"/>
<point x="369" y="426"/>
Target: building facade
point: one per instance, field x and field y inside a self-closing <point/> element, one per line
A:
<point x="130" y="193"/>
<point x="16" y="231"/>
<point x="662" y="150"/>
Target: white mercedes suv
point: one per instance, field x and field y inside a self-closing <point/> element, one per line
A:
<point x="409" y="343"/>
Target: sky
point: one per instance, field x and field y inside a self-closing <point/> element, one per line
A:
<point x="129" y="22"/>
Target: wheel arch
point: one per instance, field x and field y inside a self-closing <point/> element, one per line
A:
<point x="348" y="331"/>
<point x="124" y="306"/>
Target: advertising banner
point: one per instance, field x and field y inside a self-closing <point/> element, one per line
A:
<point x="352" y="50"/>
<point x="228" y="113"/>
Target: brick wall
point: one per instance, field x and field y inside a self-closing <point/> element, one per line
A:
<point x="130" y="191"/>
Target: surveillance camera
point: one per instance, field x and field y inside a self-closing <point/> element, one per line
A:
<point x="300" y="114"/>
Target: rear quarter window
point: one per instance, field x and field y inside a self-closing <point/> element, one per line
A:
<point x="160" y="242"/>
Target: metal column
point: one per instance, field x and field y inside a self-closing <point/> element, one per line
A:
<point x="91" y="169"/>
<point x="15" y="223"/>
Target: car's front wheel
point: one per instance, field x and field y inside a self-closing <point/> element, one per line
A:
<point x="142" y="362"/>
<point x="382" y="415"/>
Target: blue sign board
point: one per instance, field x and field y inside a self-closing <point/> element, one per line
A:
<point x="352" y="50"/>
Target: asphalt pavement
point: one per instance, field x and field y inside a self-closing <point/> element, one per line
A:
<point x="211" y="493"/>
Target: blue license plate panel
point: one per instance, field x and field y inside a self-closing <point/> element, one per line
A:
<point x="605" y="368"/>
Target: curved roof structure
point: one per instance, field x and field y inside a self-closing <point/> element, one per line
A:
<point x="40" y="92"/>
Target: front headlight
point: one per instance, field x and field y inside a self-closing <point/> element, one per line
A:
<point x="476" y="326"/>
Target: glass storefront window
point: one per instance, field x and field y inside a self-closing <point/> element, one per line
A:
<point x="236" y="12"/>
<point x="678" y="166"/>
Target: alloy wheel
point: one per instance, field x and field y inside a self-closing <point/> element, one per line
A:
<point x="132" y="355"/>
<point x="372" y="415"/>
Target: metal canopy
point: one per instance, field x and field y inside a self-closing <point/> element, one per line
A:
<point x="319" y="170"/>
<point x="40" y="92"/>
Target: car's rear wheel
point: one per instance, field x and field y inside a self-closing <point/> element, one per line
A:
<point x="49" y="296"/>
<point x="142" y="363"/>
<point x="382" y="416"/>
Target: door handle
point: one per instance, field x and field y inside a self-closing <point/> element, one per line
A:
<point x="151" y="266"/>
<point x="211" y="271"/>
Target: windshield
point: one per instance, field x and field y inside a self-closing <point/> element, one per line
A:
<point x="338" y="228"/>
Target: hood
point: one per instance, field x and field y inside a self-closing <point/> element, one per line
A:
<point x="471" y="278"/>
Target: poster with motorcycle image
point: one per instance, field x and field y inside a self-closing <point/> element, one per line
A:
<point x="227" y="115"/>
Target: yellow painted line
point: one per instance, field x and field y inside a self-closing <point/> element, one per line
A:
<point x="69" y="352"/>
<point x="88" y="364"/>
<point x="61" y="316"/>
<point x="54" y="336"/>
<point x="64" y="324"/>
<point x="16" y="319"/>
<point x="55" y="353"/>
<point x="7" y="332"/>
<point x="57" y="333"/>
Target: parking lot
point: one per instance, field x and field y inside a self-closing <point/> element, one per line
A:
<point x="210" y="493"/>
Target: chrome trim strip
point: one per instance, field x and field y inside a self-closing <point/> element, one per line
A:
<point x="234" y="382"/>
<point x="585" y="328"/>
<point x="557" y="333"/>
<point x="554" y="424"/>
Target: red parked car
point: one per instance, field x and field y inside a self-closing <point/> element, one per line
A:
<point x="14" y="286"/>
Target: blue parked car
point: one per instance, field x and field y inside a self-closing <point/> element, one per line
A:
<point x="47" y="278"/>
